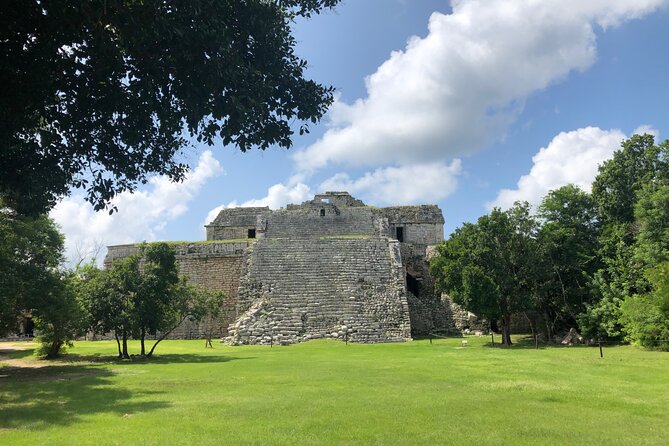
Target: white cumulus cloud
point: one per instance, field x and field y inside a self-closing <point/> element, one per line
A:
<point x="410" y="184"/>
<point x="461" y="86"/>
<point x="571" y="157"/>
<point x="141" y="215"/>
<point x="649" y="129"/>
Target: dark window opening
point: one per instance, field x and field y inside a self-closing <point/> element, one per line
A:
<point x="252" y="233"/>
<point x="399" y="233"/>
<point x="413" y="286"/>
<point x="322" y="212"/>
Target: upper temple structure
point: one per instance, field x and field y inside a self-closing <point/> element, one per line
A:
<point x="330" y="267"/>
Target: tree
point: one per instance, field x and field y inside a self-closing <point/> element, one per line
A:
<point x="142" y="294"/>
<point x="188" y="302"/>
<point x="616" y="190"/>
<point x="31" y="250"/>
<point x="490" y="268"/>
<point x="100" y="94"/>
<point x="568" y="238"/>
<point x="33" y="282"/>
<point x="59" y="318"/>
<point x="115" y="300"/>
<point x="156" y="296"/>
<point x="106" y="296"/>
<point x="620" y="178"/>
<point x="646" y="316"/>
<point x="652" y="219"/>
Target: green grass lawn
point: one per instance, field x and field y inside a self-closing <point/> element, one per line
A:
<point x="325" y="392"/>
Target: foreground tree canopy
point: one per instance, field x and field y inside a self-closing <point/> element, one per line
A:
<point x="99" y="94"/>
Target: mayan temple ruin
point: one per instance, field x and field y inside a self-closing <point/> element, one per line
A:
<point x="330" y="267"/>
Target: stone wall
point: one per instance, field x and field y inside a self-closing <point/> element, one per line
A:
<point x="429" y="313"/>
<point x="339" y="199"/>
<point x="418" y="233"/>
<point x="234" y="223"/>
<point x="310" y="222"/>
<point x="293" y="290"/>
<point x="422" y="225"/>
<point x="426" y="213"/>
<point x="231" y="233"/>
<point x="216" y="273"/>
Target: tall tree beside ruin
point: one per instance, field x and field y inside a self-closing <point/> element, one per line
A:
<point x="141" y="295"/>
<point x="568" y="238"/>
<point x="100" y="94"/>
<point x="109" y="297"/>
<point x="490" y="268"/>
<point x="157" y="295"/>
<point x="188" y="301"/>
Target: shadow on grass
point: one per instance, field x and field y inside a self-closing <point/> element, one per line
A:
<point x="36" y="394"/>
<point x="528" y="343"/>
<point x="179" y="358"/>
<point x="34" y="398"/>
<point x="17" y="353"/>
<point x="97" y="358"/>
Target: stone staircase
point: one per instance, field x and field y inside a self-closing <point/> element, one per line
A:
<point x="296" y="289"/>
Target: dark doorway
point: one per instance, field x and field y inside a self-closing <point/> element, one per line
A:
<point x="30" y="327"/>
<point x="252" y="233"/>
<point x="413" y="286"/>
<point x="399" y="233"/>
<point x="322" y="212"/>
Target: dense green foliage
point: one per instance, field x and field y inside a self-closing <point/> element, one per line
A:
<point x="568" y="242"/>
<point x="102" y="93"/>
<point x="33" y="283"/>
<point x="490" y="267"/>
<point x="139" y="295"/>
<point x="597" y="260"/>
<point x="59" y="317"/>
<point x="30" y="251"/>
<point x="326" y="392"/>
<point x="646" y="316"/>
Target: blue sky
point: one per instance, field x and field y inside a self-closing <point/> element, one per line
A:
<point x="467" y="104"/>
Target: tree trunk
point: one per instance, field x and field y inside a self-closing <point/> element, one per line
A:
<point x="534" y="333"/>
<point x="164" y="335"/>
<point x="118" y="344"/>
<point x="54" y="349"/>
<point x="549" y="329"/>
<point x="143" y="335"/>
<point x="506" y="329"/>
<point x="125" y="344"/>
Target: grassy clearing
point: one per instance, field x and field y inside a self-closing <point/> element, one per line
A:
<point x="325" y="392"/>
